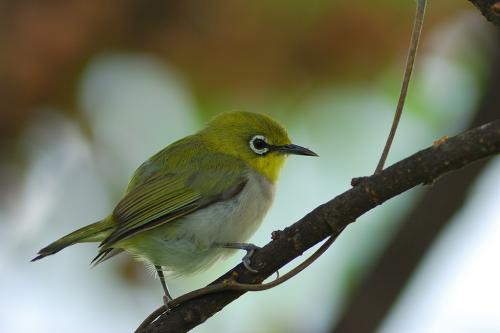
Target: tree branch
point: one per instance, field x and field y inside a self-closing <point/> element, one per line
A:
<point x="331" y="218"/>
<point x="490" y="9"/>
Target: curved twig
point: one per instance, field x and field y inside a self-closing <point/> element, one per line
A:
<point x="410" y="64"/>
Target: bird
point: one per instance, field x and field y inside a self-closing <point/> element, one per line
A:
<point x="189" y="203"/>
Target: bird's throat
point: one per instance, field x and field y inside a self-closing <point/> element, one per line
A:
<point x="270" y="166"/>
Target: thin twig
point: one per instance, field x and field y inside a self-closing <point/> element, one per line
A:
<point x="410" y="63"/>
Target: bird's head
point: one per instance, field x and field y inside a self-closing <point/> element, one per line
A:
<point x="254" y="138"/>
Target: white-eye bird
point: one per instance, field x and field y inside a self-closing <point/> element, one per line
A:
<point x="198" y="196"/>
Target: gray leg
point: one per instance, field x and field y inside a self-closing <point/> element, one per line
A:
<point x="167" y="298"/>
<point x="250" y="248"/>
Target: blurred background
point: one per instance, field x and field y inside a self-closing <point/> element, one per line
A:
<point x="90" y="89"/>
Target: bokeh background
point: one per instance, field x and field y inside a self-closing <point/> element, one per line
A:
<point x="89" y="89"/>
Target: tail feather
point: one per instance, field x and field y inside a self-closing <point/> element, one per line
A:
<point x="91" y="233"/>
<point x="104" y="255"/>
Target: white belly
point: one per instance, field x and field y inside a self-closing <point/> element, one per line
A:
<point x="190" y="244"/>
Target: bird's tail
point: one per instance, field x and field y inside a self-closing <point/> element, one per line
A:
<point x="92" y="233"/>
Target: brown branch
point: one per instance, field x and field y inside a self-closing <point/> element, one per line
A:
<point x="490" y="9"/>
<point x="331" y="218"/>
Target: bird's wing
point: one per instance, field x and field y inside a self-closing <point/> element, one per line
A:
<point x="172" y="195"/>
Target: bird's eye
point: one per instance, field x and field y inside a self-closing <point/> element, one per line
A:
<point x="259" y="144"/>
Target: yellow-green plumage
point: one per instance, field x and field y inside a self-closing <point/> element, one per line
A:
<point x="205" y="189"/>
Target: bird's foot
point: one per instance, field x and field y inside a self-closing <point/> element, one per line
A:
<point x="246" y="260"/>
<point x="250" y="248"/>
<point x="166" y="300"/>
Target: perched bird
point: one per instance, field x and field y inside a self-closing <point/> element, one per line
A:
<point x="198" y="196"/>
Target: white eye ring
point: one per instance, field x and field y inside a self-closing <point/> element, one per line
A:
<point x="257" y="149"/>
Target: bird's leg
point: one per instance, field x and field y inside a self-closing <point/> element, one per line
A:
<point x="250" y="248"/>
<point x="167" y="298"/>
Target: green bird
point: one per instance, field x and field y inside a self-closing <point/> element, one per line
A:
<point x="196" y="198"/>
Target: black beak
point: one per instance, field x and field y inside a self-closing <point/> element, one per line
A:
<point x="292" y="149"/>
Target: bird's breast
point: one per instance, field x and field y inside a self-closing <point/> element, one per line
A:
<point x="232" y="220"/>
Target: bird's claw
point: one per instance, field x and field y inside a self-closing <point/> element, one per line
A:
<point x="246" y="259"/>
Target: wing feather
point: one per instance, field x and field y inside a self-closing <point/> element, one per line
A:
<point x="172" y="195"/>
<point x="155" y="202"/>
